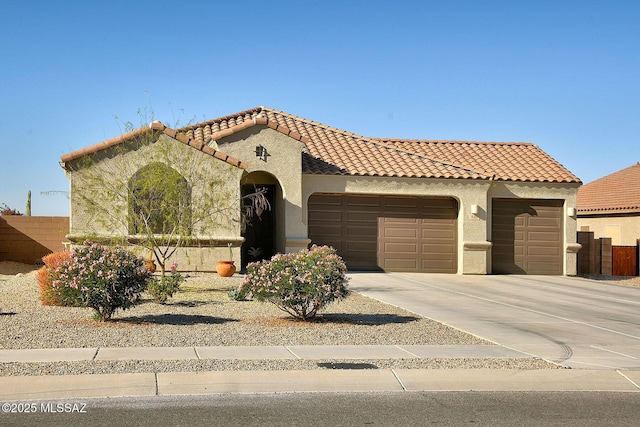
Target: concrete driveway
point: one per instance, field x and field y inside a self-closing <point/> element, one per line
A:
<point x="576" y="322"/>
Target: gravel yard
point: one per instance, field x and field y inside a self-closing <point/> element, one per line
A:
<point x="202" y="314"/>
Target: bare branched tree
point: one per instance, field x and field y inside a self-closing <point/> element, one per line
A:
<point x="157" y="193"/>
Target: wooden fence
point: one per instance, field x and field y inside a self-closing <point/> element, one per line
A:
<point x="625" y="260"/>
<point x="599" y="256"/>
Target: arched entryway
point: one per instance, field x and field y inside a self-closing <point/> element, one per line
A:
<point x="264" y="233"/>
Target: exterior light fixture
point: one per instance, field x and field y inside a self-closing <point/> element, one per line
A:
<point x="571" y="212"/>
<point x="261" y="153"/>
<point x="475" y="209"/>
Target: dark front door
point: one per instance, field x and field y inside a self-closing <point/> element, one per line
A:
<point x="259" y="230"/>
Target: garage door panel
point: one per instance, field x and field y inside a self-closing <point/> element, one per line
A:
<point x="433" y="231"/>
<point x="543" y="222"/>
<point x="399" y="233"/>
<point x="362" y="201"/>
<point x="527" y="236"/>
<point x="362" y="217"/>
<point x="327" y="232"/>
<point x="543" y="237"/>
<point x="442" y="247"/>
<point x="364" y="233"/>
<point x="400" y="264"/>
<point x="437" y="258"/>
<point x="360" y="247"/>
<point x="441" y="234"/>
<point x="545" y="267"/>
<point x="542" y="251"/>
<point x="391" y="203"/>
<point x="325" y="216"/>
<point x="399" y="220"/>
<point x="400" y="248"/>
<point x="435" y="267"/>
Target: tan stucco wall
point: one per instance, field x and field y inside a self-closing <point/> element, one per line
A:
<point x="623" y="230"/>
<point x="472" y="230"/>
<point x="285" y="164"/>
<point x="555" y="191"/>
<point x="104" y="182"/>
<point x="284" y="167"/>
<point x="474" y="247"/>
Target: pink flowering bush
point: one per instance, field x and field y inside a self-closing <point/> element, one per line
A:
<point x="300" y="283"/>
<point x="7" y="211"/>
<point x="101" y="277"/>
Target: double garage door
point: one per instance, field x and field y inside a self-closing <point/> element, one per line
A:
<point x="527" y="236"/>
<point x="388" y="233"/>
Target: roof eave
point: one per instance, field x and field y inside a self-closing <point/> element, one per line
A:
<point x="155" y="126"/>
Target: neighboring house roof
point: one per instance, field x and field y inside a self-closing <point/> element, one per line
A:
<point x="618" y="192"/>
<point x="333" y="151"/>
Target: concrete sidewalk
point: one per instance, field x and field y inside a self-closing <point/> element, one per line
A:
<point x="289" y="352"/>
<point x="370" y="380"/>
<point x="322" y="380"/>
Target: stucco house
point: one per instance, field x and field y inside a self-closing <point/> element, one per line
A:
<point x="384" y="204"/>
<point x="610" y="206"/>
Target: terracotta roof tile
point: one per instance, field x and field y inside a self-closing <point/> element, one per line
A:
<point x="333" y="151"/>
<point x="618" y="192"/>
<point x="153" y="127"/>
<point x="336" y="152"/>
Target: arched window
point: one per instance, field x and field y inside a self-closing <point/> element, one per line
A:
<point x="159" y="201"/>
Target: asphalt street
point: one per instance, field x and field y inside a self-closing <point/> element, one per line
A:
<point x="576" y="322"/>
<point x="343" y="409"/>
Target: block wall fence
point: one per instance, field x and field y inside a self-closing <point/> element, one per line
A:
<point x="27" y="239"/>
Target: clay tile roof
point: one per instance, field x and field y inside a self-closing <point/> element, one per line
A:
<point x="153" y="127"/>
<point x="333" y="151"/>
<point x="337" y="152"/>
<point x="618" y="192"/>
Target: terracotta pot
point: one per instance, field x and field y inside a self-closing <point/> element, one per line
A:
<point x="150" y="264"/>
<point x="226" y="268"/>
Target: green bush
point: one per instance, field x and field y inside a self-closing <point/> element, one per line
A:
<point x="300" y="283"/>
<point x="164" y="287"/>
<point x="103" y="278"/>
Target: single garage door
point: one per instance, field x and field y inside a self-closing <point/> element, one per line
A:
<point x="387" y="232"/>
<point x="527" y="236"/>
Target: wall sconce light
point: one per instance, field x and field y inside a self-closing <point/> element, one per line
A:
<point x="475" y="209"/>
<point x="261" y="153"/>
<point x="571" y="212"/>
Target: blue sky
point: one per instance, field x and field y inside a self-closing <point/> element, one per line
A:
<point x="564" y="75"/>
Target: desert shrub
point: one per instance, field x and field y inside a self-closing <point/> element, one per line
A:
<point x="163" y="287"/>
<point x="46" y="276"/>
<point x="101" y="277"/>
<point x="238" y="294"/>
<point x="300" y="283"/>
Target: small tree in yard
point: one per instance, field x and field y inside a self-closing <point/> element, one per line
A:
<point x="300" y="283"/>
<point x="155" y="193"/>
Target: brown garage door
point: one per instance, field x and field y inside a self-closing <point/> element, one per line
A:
<point x="527" y="236"/>
<point x="387" y="232"/>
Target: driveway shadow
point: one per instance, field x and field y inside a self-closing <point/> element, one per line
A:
<point x="175" y="319"/>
